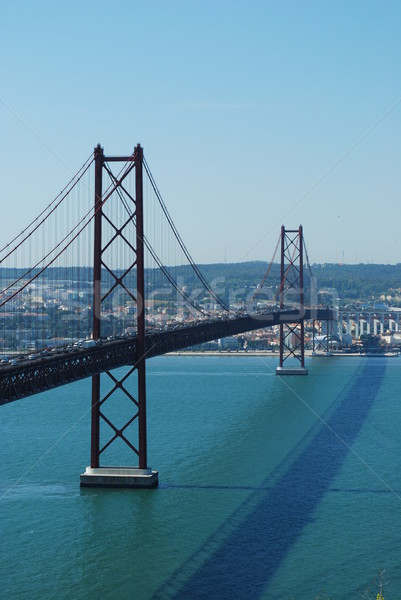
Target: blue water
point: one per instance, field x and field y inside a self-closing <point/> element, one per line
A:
<point x="269" y="487"/>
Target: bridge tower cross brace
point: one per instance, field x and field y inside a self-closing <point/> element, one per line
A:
<point x="140" y="476"/>
<point x="292" y="337"/>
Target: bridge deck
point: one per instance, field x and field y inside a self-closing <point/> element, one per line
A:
<point x="30" y="377"/>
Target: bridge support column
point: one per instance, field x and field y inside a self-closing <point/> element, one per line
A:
<point x="378" y="327"/>
<point x="140" y="476"/>
<point x="364" y="327"/>
<point x="292" y="348"/>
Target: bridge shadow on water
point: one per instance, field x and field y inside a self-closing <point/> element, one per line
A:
<point x="252" y="544"/>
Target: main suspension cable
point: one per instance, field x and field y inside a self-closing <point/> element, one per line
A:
<point x="154" y="255"/>
<point x="73" y="182"/>
<point x="259" y="288"/>
<point x="128" y="166"/>
<point x="181" y="243"/>
<point x="312" y="277"/>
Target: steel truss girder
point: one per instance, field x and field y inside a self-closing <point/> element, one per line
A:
<point x="31" y="378"/>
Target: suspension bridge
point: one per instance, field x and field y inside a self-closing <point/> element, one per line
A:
<point x="112" y="284"/>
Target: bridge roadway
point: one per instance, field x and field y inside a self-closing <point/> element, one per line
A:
<point x="30" y="377"/>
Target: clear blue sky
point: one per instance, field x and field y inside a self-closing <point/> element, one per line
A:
<point x="251" y="116"/>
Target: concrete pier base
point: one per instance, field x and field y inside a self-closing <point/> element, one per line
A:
<point x="121" y="477"/>
<point x="291" y="371"/>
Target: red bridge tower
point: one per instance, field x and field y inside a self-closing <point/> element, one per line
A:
<point x="129" y="233"/>
<point x="292" y="347"/>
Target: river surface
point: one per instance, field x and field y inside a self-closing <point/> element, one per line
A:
<point x="270" y="487"/>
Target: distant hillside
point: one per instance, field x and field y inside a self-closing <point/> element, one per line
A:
<point x="238" y="281"/>
<point x="361" y="282"/>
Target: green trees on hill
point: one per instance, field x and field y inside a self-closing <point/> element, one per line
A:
<point x="361" y="282"/>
